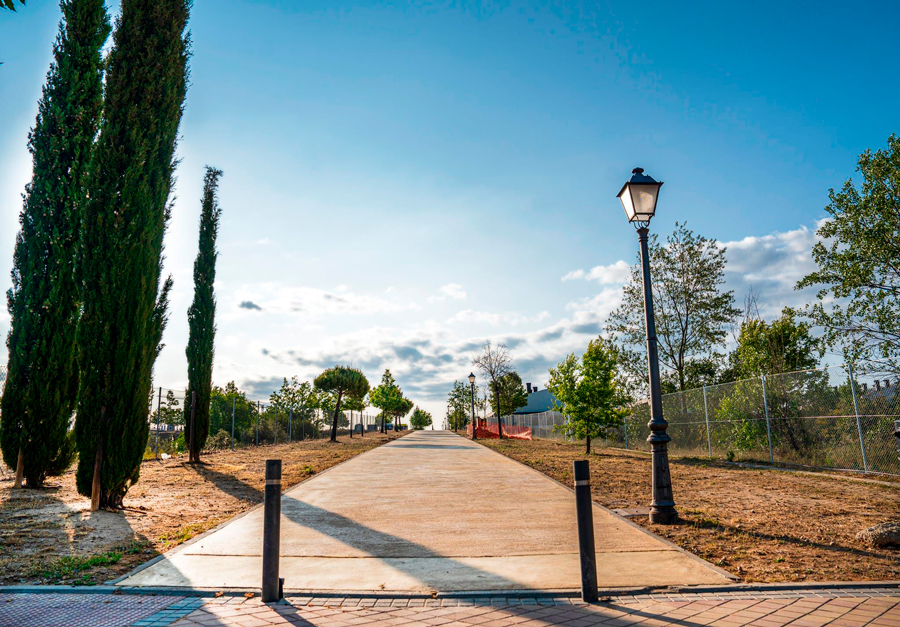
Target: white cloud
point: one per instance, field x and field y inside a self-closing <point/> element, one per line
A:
<point x="451" y="291"/>
<point x="309" y="301"/>
<point x="771" y="265"/>
<point x="469" y="316"/>
<point x="615" y="273"/>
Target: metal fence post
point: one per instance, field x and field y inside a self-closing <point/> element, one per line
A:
<point x="257" y="423"/>
<point x="291" y="426"/>
<point x="275" y="425"/>
<point x="233" y="400"/>
<point x="158" y="406"/>
<point x="706" y="411"/>
<point x="768" y="422"/>
<point x="626" y="433"/>
<point x="862" y="441"/>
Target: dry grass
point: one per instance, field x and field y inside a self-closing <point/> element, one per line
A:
<point x="761" y="525"/>
<point x="50" y="535"/>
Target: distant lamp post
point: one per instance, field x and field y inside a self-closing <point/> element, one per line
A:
<point x="472" y="387"/>
<point x="639" y="196"/>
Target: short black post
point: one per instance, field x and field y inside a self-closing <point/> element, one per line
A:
<point x="585" y="515"/>
<point x="271" y="585"/>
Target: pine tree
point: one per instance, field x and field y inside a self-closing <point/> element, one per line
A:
<point x="42" y="381"/>
<point x="124" y="309"/>
<point x="201" y="321"/>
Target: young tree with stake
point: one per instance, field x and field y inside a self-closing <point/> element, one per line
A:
<point x="586" y="391"/>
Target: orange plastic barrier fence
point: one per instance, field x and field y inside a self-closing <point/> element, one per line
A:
<point x="489" y="430"/>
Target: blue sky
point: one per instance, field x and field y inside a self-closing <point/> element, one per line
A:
<point x="403" y="181"/>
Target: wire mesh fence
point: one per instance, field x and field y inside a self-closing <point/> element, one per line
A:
<point x="235" y="421"/>
<point x="823" y="418"/>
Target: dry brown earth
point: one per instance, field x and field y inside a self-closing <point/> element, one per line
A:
<point x="761" y="525"/>
<point x="47" y="535"/>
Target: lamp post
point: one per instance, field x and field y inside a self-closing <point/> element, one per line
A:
<point x="472" y="387"/>
<point x="639" y="196"/>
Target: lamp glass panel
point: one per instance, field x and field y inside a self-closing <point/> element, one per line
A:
<point x="627" y="203"/>
<point x="644" y="200"/>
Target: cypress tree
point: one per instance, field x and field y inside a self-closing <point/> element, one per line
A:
<point x="42" y="382"/>
<point x="124" y="309"/>
<point x="202" y="320"/>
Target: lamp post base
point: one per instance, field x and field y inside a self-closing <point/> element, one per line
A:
<point x="662" y="508"/>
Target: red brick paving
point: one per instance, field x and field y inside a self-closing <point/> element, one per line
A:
<point x="841" y="607"/>
<point x="750" y="609"/>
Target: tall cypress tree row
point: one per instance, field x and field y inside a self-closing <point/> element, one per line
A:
<point x="124" y="310"/>
<point x="202" y="321"/>
<point x="42" y="381"/>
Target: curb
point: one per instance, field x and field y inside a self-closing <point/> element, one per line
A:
<point x="854" y="586"/>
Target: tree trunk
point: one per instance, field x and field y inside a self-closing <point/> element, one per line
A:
<point x="20" y="470"/>
<point x="334" y="421"/>
<point x="194" y="456"/>
<point x="351" y="423"/>
<point x="382" y="422"/>
<point x="587" y="445"/>
<point x="95" y="485"/>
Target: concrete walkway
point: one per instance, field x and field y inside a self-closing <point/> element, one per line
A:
<point x="431" y="511"/>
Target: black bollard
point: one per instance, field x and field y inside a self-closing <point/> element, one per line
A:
<point x="271" y="584"/>
<point x="585" y="515"/>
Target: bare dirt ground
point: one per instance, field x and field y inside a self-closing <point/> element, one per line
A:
<point x="51" y="536"/>
<point x="761" y="525"/>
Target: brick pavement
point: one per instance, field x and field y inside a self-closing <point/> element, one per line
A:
<point x="800" y="607"/>
<point x="763" y="609"/>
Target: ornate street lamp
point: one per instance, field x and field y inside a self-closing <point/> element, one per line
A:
<point x="472" y="386"/>
<point x="639" y="196"/>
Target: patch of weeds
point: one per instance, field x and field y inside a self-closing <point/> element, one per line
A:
<point x="183" y="534"/>
<point x="75" y="567"/>
<point x="779" y="560"/>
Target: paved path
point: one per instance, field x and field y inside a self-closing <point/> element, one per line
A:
<point x="431" y="511"/>
<point x="846" y="606"/>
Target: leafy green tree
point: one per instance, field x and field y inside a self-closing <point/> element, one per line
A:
<point x="403" y="407"/>
<point x="459" y="405"/>
<point x="387" y="397"/>
<point x="858" y="271"/>
<point x="586" y="390"/>
<point x="420" y="419"/>
<point x="221" y="403"/>
<point x="202" y="319"/>
<point x="341" y="381"/>
<point x="510" y="394"/>
<point x="298" y="401"/>
<point x="124" y="310"/>
<point x="692" y="309"/>
<point x="355" y="404"/>
<point x="10" y="4"/>
<point x="783" y="345"/>
<point x="42" y="377"/>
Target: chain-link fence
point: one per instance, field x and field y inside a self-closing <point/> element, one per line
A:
<point x="823" y="418"/>
<point x="235" y="421"/>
